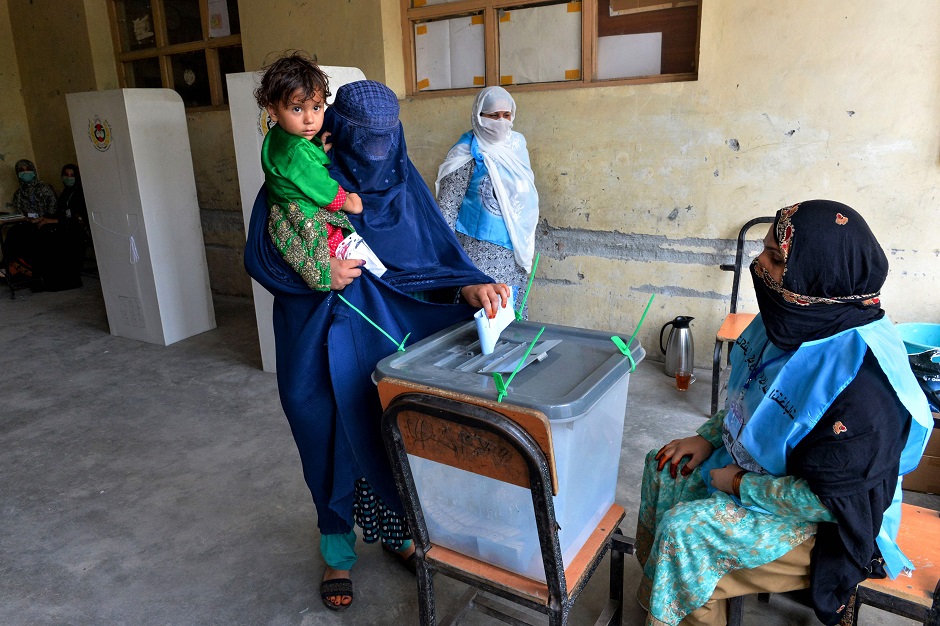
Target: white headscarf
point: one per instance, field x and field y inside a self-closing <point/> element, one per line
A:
<point x="507" y="162"/>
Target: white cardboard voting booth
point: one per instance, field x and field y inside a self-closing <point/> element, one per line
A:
<point x="137" y="173"/>
<point x="249" y="126"/>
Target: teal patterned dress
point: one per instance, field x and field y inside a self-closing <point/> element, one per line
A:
<point x="687" y="539"/>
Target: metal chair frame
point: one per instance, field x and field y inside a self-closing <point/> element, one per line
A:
<point x="735" y="286"/>
<point x="560" y="597"/>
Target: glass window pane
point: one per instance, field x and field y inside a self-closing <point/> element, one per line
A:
<point x="183" y="21"/>
<point x="191" y="78"/>
<point x="677" y="29"/>
<point x="135" y="24"/>
<point x="449" y="54"/>
<point x="540" y="45"/>
<point x="629" y="56"/>
<point x="231" y="61"/>
<point x="223" y="18"/>
<point x="143" y="73"/>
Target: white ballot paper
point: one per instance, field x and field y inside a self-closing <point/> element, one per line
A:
<point x="355" y="247"/>
<point x="489" y="329"/>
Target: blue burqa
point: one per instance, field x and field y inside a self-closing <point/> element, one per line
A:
<point x="326" y="352"/>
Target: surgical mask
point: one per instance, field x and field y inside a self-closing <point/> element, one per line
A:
<point x="26" y="177"/>
<point x="68" y="181"/>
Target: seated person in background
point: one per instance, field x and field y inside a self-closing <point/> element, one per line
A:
<point x="37" y="201"/>
<point x="62" y="239"/>
<point x="304" y="201"/>
<point x="486" y="190"/>
<point x="71" y="203"/>
<point x="50" y="248"/>
<point x="789" y="486"/>
<point x="33" y="198"/>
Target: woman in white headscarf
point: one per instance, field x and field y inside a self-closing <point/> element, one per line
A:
<point x="486" y="190"/>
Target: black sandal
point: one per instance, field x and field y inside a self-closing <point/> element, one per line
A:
<point x="341" y="587"/>
<point x="410" y="562"/>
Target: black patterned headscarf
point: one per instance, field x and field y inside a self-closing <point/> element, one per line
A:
<point x="833" y="274"/>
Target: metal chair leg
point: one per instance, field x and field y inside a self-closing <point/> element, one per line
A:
<point x="616" y="580"/>
<point x="426" y="595"/>
<point x="933" y="615"/>
<point x="716" y="371"/>
<point x="735" y="611"/>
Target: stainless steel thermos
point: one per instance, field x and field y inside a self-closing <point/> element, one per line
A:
<point x="679" y="349"/>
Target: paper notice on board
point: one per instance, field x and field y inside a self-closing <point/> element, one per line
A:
<point x="626" y="56"/>
<point x="219" y="25"/>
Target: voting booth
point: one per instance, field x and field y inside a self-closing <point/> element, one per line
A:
<point x="249" y="126"/>
<point x="137" y="172"/>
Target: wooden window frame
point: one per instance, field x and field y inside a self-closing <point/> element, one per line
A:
<point x="589" y="35"/>
<point x="162" y="51"/>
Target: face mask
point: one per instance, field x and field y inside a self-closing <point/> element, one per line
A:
<point x="495" y="130"/>
<point x="26" y="177"/>
<point x="68" y="181"/>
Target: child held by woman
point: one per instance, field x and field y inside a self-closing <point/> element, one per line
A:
<point x="307" y="207"/>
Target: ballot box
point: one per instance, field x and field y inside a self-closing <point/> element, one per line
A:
<point x="578" y="379"/>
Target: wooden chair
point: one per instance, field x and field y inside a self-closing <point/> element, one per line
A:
<point x="917" y="597"/>
<point x="432" y="426"/>
<point x="734" y="322"/>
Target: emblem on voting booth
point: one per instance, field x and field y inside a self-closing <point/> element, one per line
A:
<point x="264" y="122"/>
<point x="99" y="131"/>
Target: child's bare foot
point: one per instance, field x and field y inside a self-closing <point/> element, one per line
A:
<point x="336" y="589"/>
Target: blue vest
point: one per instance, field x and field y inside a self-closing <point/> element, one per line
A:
<point x="765" y="426"/>
<point x="480" y="216"/>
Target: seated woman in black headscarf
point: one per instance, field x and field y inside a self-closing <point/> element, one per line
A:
<point x="326" y="351"/>
<point x="71" y="204"/>
<point x="795" y="483"/>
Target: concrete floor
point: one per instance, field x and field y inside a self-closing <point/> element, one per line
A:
<point x="160" y="485"/>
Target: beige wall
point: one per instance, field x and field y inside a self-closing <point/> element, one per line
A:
<point x="641" y="187"/>
<point x="54" y="54"/>
<point x="101" y="47"/>
<point x="14" y="128"/>
<point x="338" y="33"/>
<point x="213" y="149"/>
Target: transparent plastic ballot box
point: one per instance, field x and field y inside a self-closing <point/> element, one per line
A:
<point x="579" y="380"/>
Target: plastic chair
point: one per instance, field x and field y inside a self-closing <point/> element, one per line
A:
<point x="476" y="438"/>
<point x="734" y="322"/>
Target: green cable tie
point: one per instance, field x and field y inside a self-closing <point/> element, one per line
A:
<point x="503" y="387"/>
<point x="625" y="347"/>
<point x="500" y="386"/>
<point x="624" y="350"/>
<point x="400" y="346"/>
<point x="525" y="296"/>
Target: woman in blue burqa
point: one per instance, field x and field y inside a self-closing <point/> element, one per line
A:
<point x="326" y="351"/>
<point x="795" y="483"/>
